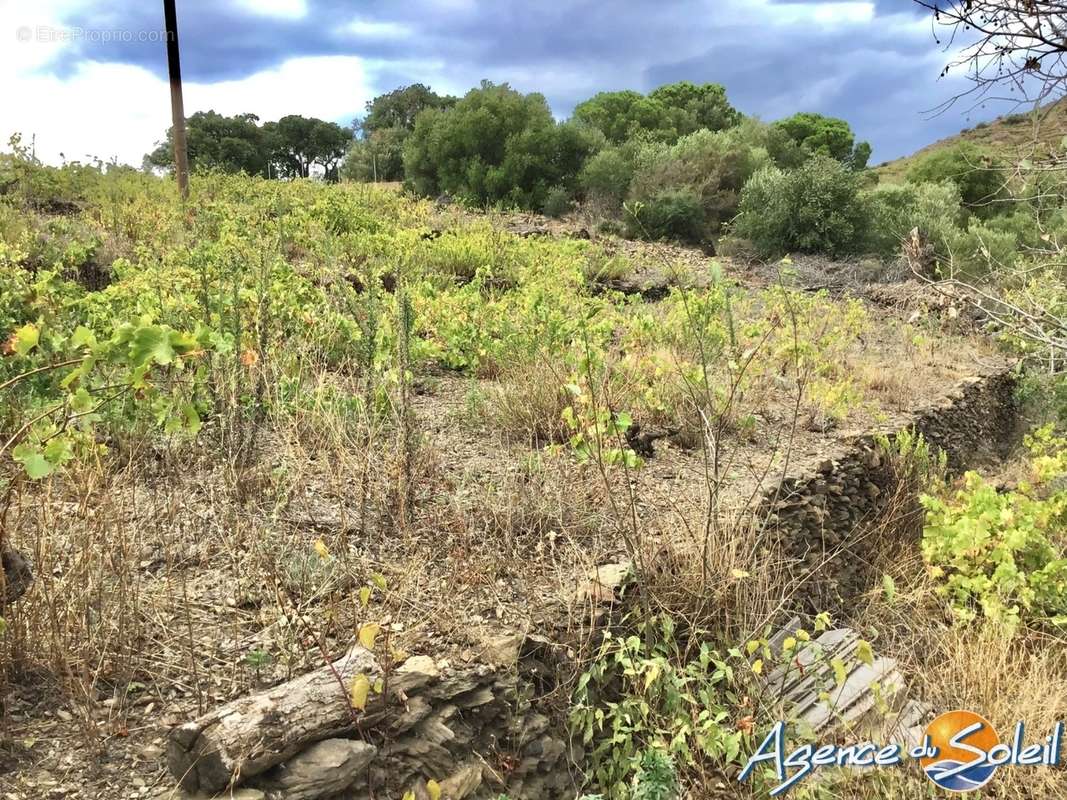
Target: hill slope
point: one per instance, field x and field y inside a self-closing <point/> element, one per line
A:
<point x="1022" y="135"/>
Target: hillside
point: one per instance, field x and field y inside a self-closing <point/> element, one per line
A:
<point x="1012" y="135"/>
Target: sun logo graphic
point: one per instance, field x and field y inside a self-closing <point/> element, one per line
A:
<point x="961" y="742"/>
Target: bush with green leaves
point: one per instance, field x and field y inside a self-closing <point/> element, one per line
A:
<point x="709" y="166"/>
<point x="816" y="208"/>
<point x="894" y="210"/>
<point x="605" y="178"/>
<point x="978" y="173"/>
<point x="496" y="145"/>
<point x="642" y="702"/>
<point x="981" y="249"/>
<point x="668" y="214"/>
<point x="1001" y="554"/>
<point x="557" y="202"/>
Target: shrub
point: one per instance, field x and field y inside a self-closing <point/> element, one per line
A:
<point x="606" y="177"/>
<point x="982" y="249"/>
<point x="971" y="168"/>
<point x="992" y="551"/>
<point x="815" y="208"/>
<point x="711" y="166"/>
<point x="894" y="210"/>
<point x="668" y="214"/>
<point x="640" y="691"/>
<point x="557" y="202"/>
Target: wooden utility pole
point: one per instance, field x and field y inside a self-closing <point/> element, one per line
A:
<point x="177" y="105"/>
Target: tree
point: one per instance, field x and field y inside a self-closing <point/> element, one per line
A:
<point x="400" y="107"/>
<point x="378" y="156"/>
<point x="816" y="208"/>
<point x="295" y="143"/>
<point x="494" y="145"/>
<point x="215" y="142"/>
<point x="669" y="112"/>
<point x="623" y="115"/>
<point x="701" y="107"/>
<point x="829" y="136"/>
<point x="328" y="144"/>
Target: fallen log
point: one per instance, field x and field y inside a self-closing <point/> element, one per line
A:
<point x="323" y="770"/>
<point x="248" y="736"/>
<point x="17" y="574"/>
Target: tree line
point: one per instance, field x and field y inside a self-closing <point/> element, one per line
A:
<point x="287" y="148"/>
<point x="495" y="144"/>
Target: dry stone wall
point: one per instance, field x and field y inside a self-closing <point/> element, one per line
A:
<point x="824" y="522"/>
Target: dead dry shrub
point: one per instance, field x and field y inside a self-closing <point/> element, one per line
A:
<point x="528" y="402"/>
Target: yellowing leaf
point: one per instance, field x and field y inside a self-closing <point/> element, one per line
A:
<point x="25" y="339"/>
<point x="757" y="666"/>
<point x="651" y="675"/>
<point x="368" y="634"/>
<point x="433" y="789"/>
<point x="364" y="596"/>
<point x="789" y="644"/>
<point x="358" y="691"/>
<point x="321" y="549"/>
<point x="752" y="647"/>
<point x="378" y="580"/>
<point x="864" y="652"/>
<point x="803" y="635"/>
<point x="409" y="796"/>
<point x="379" y="686"/>
<point x="840" y="673"/>
<point x="740" y="573"/>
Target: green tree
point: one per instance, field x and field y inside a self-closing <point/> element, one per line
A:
<point x="703" y="106"/>
<point x="494" y="145"/>
<point x="623" y="115"/>
<point x="378" y="156"/>
<point x="400" y="107"/>
<point x="815" y="134"/>
<point x="295" y="143"/>
<point x="671" y="111"/>
<point x="216" y="142"/>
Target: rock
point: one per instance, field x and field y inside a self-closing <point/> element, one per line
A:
<point x="603" y="583"/>
<point x="497" y="647"/>
<point x="462" y="783"/>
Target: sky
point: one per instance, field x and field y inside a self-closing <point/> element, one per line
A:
<point x="87" y="78"/>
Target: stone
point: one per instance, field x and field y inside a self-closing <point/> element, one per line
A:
<point x="462" y="783"/>
<point x="497" y="647"/>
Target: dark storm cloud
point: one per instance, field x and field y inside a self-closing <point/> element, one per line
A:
<point x="879" y="74"/>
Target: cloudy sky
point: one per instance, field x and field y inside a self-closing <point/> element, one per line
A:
<point x="88" y="77"/>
